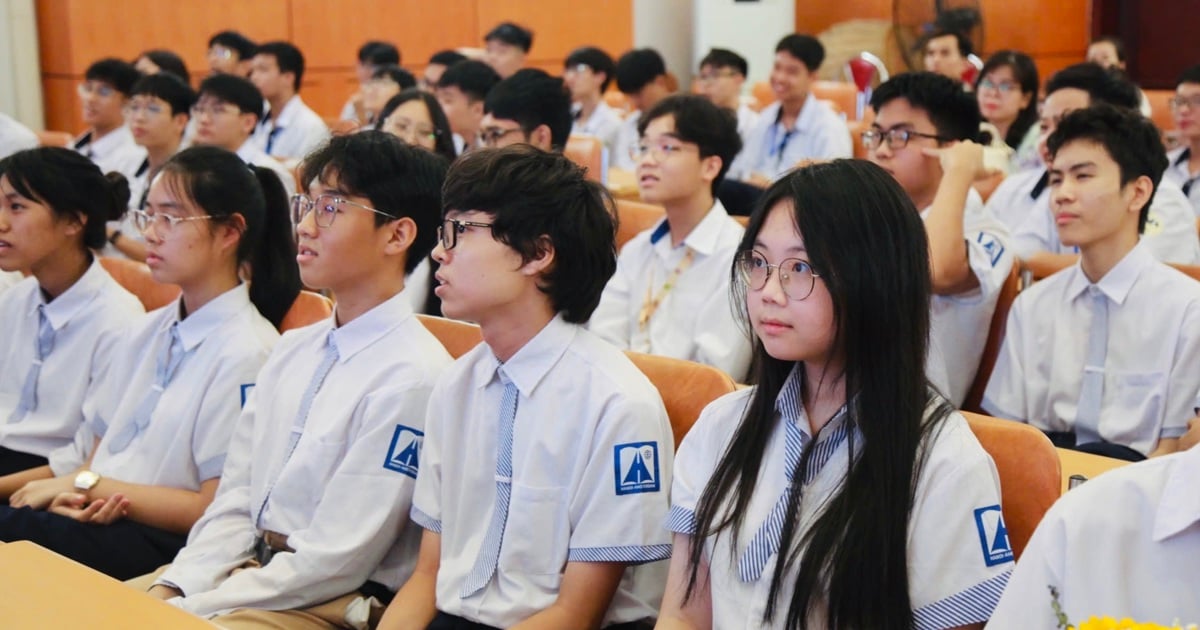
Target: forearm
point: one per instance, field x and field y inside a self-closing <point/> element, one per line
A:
<point x="557" y="617"/>
<point x="1165" y="446"/>
<point x="131" y="247"/>
<point x="414" y="606"/>
<point x="13" y="482"/>
<point x="949" y="265"/>
<point x="171" y="509"/>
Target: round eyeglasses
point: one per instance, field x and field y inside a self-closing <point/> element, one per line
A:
<point x="796" y="276"/>
<point x="327" y="208"/>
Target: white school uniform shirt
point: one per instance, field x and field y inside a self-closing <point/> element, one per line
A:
<point x="225" y="342"/>
<point x="585" y="415"/>
<point x="298" y="130"/>
<point x="89" y="319"/>
<point x="116" y="151"/>
<point x="1181" y="175"/>
<point x="251" y="154"/>
<point x="14" y="136"/>
<point x="1017" y="196"/>
<point x="746" y="120"/>
<point x="139" y="187"/>
<point x="1170" y="232"/>
<point x="1125" y="544"/>
<point x="1150" y="375"/>
<point x="343" y="496"/>
<point x="416" y="285"/>
<point x="771" y="150"/>
<point x="604" y="123"/>
<point x="695" y="319"/>
<point x="627" y="138"/>
<point x="960" y="322"/>
<point x="9" y="279"/>
<point x="959" y="557"/>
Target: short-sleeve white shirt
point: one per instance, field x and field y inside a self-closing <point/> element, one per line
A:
<point x="298" y="131"/>
<point x="251" y="154"/>
<point x="584" y="414"/>
<point x="116" y="151"/>
<point x="954" y="577"/>
<point x="1017" y="196"/>
<point x="14" y="136"/>
<point x="89" y="319"/>
<point x="746" y="120"/>
<point x="771" y="150"/>
<point x="1125" y="544"/>
<point x="627" y="138"/>
<point x="694" y="319"/>
<point x="1179" y="173"/>
<point x="604" y="123"/>
<point x="1150" y="369"/>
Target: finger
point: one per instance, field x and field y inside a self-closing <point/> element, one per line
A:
<point x="69" y="499"/>
<point x="115" y="509"/>
<point x="90" y="510"/>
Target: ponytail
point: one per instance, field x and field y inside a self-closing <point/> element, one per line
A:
<point x="275" y="278"/>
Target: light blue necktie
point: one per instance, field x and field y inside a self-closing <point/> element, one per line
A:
<point x="766" y="540"/>
<point x="489" y="554"/>
<point x="306" y="401"/>
<point x="169" y="358"/>
<point x="41" y="349"/>
<point x="1091" y="390"/>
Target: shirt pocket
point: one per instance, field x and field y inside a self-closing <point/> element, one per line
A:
<point x="1140" y="400"/>
<point x="296" y="492"/>
<point x="537" y="534"/>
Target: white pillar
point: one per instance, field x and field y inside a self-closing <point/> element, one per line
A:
<point x="20" y="66"/>
<point x="751" y="29"/>
<point x="666" y="26"/>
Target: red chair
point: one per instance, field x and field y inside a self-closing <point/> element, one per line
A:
<point x="864" y="71"/>
<point x="974" y="67"/>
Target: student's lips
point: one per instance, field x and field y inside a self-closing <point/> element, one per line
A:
<point x="153" y="260"/>
<point x="1063" y="218"/>
<point x="772" y="326"/>
<point x="305" y="254"/>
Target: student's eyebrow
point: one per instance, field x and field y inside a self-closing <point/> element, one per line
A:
<point x="794" y="249"/>
<point x="165" y="205"/>
<point x="1078" y="166"/>
<point x="903" y="125"/>
<point x="660" y="136"/>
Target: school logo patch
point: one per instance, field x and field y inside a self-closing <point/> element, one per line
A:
<point x="635" y="467"/>
<point x="246" y="387"/>
<point x="991" y="246"/>
<point x="404" y="453"/>
<point x="993" y="535"/>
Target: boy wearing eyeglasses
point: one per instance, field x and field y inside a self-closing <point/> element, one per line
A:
<point x="226" y="112"/>
<point x="922" y="135"/>
<point x="642" y="77"/>
<point x="722" y="75"/>
<point x="310" y="526"/>
<point x="670" y="293"/>
<point x="1184" y="169"/>
<point x="587" y="73"/>
<point x="530" y="107"/>
<point x="548" y="454"/>
<point x="107" y="142"/>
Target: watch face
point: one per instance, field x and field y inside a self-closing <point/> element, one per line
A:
<point x="86" y="479"/>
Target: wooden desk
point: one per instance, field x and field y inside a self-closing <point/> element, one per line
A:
<point x="41" y="589"/>
<point x="623" y="184"/>
<point x="1086" y="464"/>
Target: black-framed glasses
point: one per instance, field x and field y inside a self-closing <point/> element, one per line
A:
<point x="449" y="230"/>
<point x="796" y="276"/>
<point x="163" y="224"/>
<point x="493" y="135"/>
<point x="896" y="138"/>
<point x="327" y="208"/>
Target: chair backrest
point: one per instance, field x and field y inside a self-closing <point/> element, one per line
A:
<point x="974" y="67"/>
<point x="1160" y="108"/>
<point x="457" y="337"/>
<point x="635" y="217"/>
<point x="995" y="338"/>
<point x="1030" y="473"/>
<point x="1191" y="270"/>
<point x="1043" y="267"/>
<point x="842" y="95"/>
<point x="588" y="152"/>
<point x="763" y="93"/>
<point x="341" y="127"/>
<point x="618" y="101"/>
<point x="136" y="279"/>
<point x="686" y="387"/>
<point x="54" y="138"/>
<point x="308" y="308"/>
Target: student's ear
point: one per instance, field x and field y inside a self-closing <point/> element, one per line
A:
<point x="476" y="108"/>
<point x="243" y="68"/>
<point x="1141" y="189"/>
<point x="180" y="122"/>
<point x="710" y="167"/>
<point x="248" y="121"/>
<point x="75" y="223"/>
<point x="544" y="260"/>
<point x="229" y="231"/>
<point x="541" y="138"/>
<point x="400" y="236"/>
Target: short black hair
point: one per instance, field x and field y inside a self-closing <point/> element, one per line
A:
<point x="399" y="75"/>
<point x="965" y="48"/>
<point x="725" y="58"/>
<point x="532" y="97"/>
<point x="168" y="87"/>
<point x="1117" y="44"/>
<point x="806" y="48"/>
<point x="287" y="57"/>
<point x="115" y="72"/>
<point x="954" y="112"/>
<point x="596" y="59"/>
<point x="472" y="77"/>
<point x="377" y="53"/>
<point x="446" y="57"/>
<point x="168" y="61"/>
<point x="1129" y="138"/>
<point x="1189" y="75"/>
<point x="1101" y="85"/>
<point x="697" y="120"/>
<point x="511" y="34"/>
<point x="236" y="91"/>
<point x="234" y="41"/>
<point x="637" y="68"/>
<point x="399" y="179"/>
<point x="532" y="196"/>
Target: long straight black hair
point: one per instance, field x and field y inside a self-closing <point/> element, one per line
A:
<point x="866" y="241"/>
<point x="222" y="185"/>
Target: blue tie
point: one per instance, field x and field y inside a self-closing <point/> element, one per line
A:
<point x="1091" y="390"/>
<point x="766" y="540"/>
<point x="169" y="358"/>
<point x="45" y="343"/>
<point x="314" y="386"/>
<point x="275" y="131"/>
<point x="489" y="554"/>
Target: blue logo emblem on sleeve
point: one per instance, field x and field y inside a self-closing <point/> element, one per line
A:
<point x="993" y="535"/>
<point x="246" y="387"/>
<point x="991" y="246"/>
<point x="635" y="467"/>
<point x="404" y="454"/>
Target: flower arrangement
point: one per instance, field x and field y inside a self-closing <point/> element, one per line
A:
<point x="1108" y="623"/>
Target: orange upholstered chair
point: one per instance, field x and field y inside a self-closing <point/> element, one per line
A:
<point x="136" y="279"/>
<point x="308" y="308"/>
<point x="635" y="217"/>
<point x="762" y="92"/>
<point x="686" y="387"/>
<point x="1040" y="267"/>
<point x="1191" y="270"/>
<point x="588" y="152"/>
<point x="843" y="95"/>
<point x="995" y="338"/>
<point x="617" y="101"/>
<point x="457" y="337"/>
<point x="1030" y="473"/>
<point x="54" y="138"/>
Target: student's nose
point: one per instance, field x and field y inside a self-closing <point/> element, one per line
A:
<point x="307" y="226"/>
<point x="772" y="291"/>
<point x="439" y="253"/>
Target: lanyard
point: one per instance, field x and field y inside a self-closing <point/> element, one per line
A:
<point x="652" y="301"/>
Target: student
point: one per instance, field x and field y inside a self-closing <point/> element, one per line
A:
<point x="160" y="60"/>
<point x="226" y="112"/>
<point x="506" y="48"/>
<point x="461" y="91"/>
<point x="386" y="82"/>
<point x="669" y="295"/>
<point x="642" y="78"/>
<point x="229" y="52"/>
<point x="946" y="52"/>
<point x="15" y="136"/>
<point x="371" y="55"/>
<point x="547" y="452"/>
<point x="158" y="113"/>
<point x="896" y="521"/>
<point x="436" y="66"/>
<point x="797" y="126"/>
<point x="1024" y="200"/>
<point x="60" y="324"/>
<point x="1007" y="92"/>
<point x="1108" y="52"/>
<point x="722" y="75"/>
<point x="1184" y="168"/>
<point x="530" y="107"/>
<point x="1079" y="360"/>
<point x="305" y="525"/>
<point x="107" y="141"/>
<point x="587" y="73"/>
<point x="159" y="422"/>
<point x="415" y="117"/>
<point x="922" y="135"/>
<point x="290" y="130"/>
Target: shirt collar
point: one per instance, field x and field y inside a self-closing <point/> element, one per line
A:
<point x="112" y="142"/>
<point x="703" y="238"/>
<point x="72" y="302"/>
<point x="808" y="114"/>
<point x="287" y="114"/>
<point x="211" y="317"/>
<point x="1179" y="506"/>
<point x="1119" y="280"/>
<point x="369" y="327"/>
<point x="534" y="360"/>
<point x="789" y="404"/>
<point x="1039" y="186"/>
<point x="1184" y="156"/>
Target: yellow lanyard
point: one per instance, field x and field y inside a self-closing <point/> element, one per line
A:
<point x="652" y="301"/>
